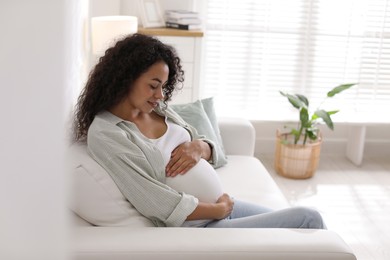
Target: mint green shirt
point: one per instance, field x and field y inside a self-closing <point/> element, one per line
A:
<point x="138" y="169"/>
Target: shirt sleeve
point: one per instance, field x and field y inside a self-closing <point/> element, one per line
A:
<point x="131" y="169"/>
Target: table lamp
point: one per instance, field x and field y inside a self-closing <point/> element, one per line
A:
<point x="107" y="29"/>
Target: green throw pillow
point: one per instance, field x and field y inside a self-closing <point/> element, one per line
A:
<point x="195" y="115"/>
<point x="208" y="106"/>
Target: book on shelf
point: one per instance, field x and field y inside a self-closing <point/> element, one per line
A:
<point x="183" y="26"/>
<point x="180" y="14"/>
<point x="184" y="20"/>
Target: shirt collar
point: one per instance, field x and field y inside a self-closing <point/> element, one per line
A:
<point x="113" y="119"/>
<point x="110" y="117"/>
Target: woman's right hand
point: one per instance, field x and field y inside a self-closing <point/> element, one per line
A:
<point x="226" y="204"/>
<point x="221" y="209"/>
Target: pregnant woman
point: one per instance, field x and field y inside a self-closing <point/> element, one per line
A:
<point x="158" y="161"/>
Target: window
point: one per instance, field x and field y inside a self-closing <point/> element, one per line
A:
<point x="254" y="48"/>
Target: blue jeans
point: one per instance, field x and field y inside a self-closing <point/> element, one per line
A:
<point x="248" y="215"/>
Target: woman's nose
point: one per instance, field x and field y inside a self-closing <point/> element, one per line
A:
<point x="159" y="93"/>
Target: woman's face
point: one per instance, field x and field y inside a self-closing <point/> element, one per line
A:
<point x="147" y="90"/>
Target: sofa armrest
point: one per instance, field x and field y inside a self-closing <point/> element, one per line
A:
<point x="238" y="136"/>
<point x="121" y="243"/>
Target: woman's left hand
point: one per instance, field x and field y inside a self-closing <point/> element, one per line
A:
<point x="184" y="157"/>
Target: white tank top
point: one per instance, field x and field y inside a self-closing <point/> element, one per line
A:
<point x="201" y="180"/>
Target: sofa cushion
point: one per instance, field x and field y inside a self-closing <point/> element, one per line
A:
<point x="195" y="115"/>
<point x="245" y="178"/>
<point x="95" y="197"/>
<point x="209" y="244"/>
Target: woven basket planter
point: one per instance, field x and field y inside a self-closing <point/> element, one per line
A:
<point x="296" y="161"/>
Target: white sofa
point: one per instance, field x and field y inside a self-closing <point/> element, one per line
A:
<point x="244" y="177"/>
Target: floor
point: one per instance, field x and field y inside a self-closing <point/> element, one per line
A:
<point x="354" y="201"/>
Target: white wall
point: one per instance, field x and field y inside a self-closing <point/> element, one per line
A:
<point x="104" y="7"/>
<point x="129" y="7"/>
<point x="35" y="80"/>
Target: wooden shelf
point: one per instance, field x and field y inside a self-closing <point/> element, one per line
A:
<point x="170" y="32"/>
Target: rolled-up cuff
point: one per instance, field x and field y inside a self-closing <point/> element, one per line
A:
<point x="214" y="155"/>
<point x="184" y="208"/>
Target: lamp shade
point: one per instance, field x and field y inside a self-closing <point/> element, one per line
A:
<point x="107" y="29"/>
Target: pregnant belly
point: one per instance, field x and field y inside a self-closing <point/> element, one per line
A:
<point x="201" y="181"/>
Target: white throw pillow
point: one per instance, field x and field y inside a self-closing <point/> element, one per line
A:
<point x="95" y="197"/>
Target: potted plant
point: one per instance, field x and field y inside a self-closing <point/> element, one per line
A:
<point x="297" y="151"/>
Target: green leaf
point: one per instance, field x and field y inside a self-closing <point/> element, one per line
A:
<point x="312" y="133"/>
<point x="303" y="99"/>
<point x="313" y="129"/>
<point x="308" y="124"/>
<point x="303" y="116"/>
<point x="325" y="116"/>
<point x="314" y="116"/>
<point x="340" y="88"/>
<point x="295" y="101"/>
<point x="332" y="112"/>
<point x="294" y="131"/>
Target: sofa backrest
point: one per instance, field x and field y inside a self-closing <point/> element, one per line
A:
<point x="238" y="136"/>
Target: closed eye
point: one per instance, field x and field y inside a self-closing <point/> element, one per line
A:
<point x="155" y="83"/>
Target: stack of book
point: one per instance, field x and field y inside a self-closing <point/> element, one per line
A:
<point x="184" y="20"/>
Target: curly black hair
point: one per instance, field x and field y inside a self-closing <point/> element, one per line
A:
<point x="113" y="76"/>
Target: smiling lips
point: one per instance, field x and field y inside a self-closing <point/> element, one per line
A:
<point x="153" y="104"/>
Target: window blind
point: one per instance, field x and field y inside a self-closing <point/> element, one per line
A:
<point x="254" y="48"/>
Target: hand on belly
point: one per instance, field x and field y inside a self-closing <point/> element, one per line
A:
<point x="201" y="181"/>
